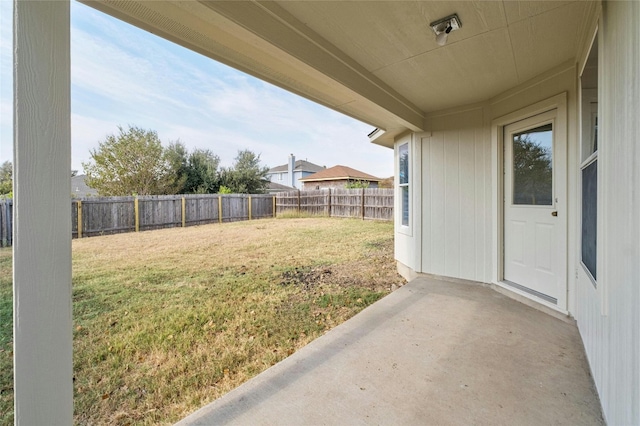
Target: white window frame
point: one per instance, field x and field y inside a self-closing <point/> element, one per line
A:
<point x="588" y="156"/>
<point x="402" y="185"/>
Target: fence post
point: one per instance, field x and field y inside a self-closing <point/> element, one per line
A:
<point x="274" y="206"/>
<point x="136" y="213"/>
<point x="362" y="203"/>
<point x="298" y="201"/>
<point x="79" y="219"/>
<point x="9" y="206"/>
<point x="184" y="212"/>
<point x="249" y="207"/>
<point x="329" y="202"/>
<point x="220" y="208"/>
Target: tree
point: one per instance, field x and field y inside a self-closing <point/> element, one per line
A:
<point x="532" y="172"/>
<point x="133" y="162"/>
<point x="196" y="172"/>
<point x="357" y="184"/>
<point x="202" y="172"/>
<point x="246" y="176"/>
<point x="177" y="156"/>
<point x="6" y="178"/>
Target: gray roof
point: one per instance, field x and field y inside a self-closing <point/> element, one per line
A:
<point x="80" y="189"/>
<point x="340" y="173"/>
<point x="276" y="187"/>
<point x="299" y="166"/>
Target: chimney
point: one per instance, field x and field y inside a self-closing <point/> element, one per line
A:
<point x="292" y="165"/>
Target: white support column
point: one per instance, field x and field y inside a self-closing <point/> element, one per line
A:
<point x="43" y="368"/>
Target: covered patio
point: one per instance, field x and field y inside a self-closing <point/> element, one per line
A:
<point x="432" y="352"/>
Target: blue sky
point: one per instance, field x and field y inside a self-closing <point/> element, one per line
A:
<point x="122" y="75"/>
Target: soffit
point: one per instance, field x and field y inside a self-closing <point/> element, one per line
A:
<point x="376" y="61"/>
<point x="500" y="45"/>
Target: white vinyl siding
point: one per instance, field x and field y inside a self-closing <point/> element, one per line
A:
<point x="42" y="345"/>
<point x="456" y="198"/>
<point x="609" y="317"/>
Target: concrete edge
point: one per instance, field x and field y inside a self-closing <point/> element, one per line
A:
<point x="410" y="275"/>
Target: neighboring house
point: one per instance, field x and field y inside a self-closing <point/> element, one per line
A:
<point x="79" y="187"/>
<point x="276" y="187"/>
<point x="554" y="81"/>
<point x="338" y="177"/>
<point x="290" y="174"/>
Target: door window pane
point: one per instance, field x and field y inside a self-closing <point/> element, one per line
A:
<point x="533" y="166"/>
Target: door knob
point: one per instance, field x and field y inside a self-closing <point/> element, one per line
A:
<point x="554" y="213"/>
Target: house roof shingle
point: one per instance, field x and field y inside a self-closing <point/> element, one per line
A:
<point x="299" y="166"/>
<point x="273" y="186"/>
<point x="339" y="173"/>
<point x="79" y="187"/>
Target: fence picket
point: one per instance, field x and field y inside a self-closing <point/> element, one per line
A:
<point x="369" y="203"/>
<point x="92" y="216"/>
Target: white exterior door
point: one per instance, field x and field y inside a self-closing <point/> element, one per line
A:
<point x="535" y="208"/>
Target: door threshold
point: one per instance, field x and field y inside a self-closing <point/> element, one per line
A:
<point x="515" y="293"/>
<point x="532" y="292"/>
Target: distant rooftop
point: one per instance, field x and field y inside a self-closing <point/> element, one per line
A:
<point x="340" y="173"/>
<point x="276" y="187"/>
<point x="79" y="187"/>
<point x="299" y="166"/>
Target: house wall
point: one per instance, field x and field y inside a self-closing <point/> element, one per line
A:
<point x="297" y="175"/>
<point x="277" y="177"/>
<point x="456" y="196"/>
<point x="456" y="179"/>
<point x="324" y="185"/>
<point x="608" y="315"/>
<point x="331" y="184"/>
<point x="457" y="166"/>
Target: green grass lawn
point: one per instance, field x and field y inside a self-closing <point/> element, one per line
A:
<point x="166" y="321"/>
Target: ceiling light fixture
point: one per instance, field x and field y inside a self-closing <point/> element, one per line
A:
<point x="444" y="26"/>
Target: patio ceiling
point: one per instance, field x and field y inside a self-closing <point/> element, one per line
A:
<point x="376" y="61"/>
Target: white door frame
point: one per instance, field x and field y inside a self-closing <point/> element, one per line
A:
<point x="558" y="102"/>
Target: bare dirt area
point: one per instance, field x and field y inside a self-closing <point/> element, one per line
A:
<point x="376" y="271"/>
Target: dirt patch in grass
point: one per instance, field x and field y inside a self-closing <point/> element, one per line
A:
<point x="166" y="321"/>
<point x="375" y="270"/>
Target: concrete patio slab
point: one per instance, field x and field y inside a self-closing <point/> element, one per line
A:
<point x="432" y="352"/>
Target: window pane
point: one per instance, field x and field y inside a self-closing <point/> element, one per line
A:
<point x="594" y="120"/>
<point x="589" y="216"/>
<point x="403" y="155"/>
<point x="532" y="166"/>
<point x="405" y="205"/>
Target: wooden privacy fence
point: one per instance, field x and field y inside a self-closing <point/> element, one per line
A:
<point x="6" y="219"/>
<point x="365" y="203"/>
<point x="112" y="215"/>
